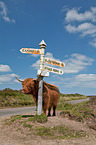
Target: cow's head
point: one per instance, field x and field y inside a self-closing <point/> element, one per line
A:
<point x="29" y="85"/>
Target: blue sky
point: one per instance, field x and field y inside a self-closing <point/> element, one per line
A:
<point x="69" y="29"/>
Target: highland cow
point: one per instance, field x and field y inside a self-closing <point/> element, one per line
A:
<point x="51" y="94"/>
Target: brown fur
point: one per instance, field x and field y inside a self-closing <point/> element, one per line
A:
<point x="51" y="94"/>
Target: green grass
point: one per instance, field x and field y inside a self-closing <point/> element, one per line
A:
<point x="28" y="126"/>
<point x="59" y="132"/>
<point x="79" y="112"/>
<point x="14" y="98"/>
<point x="40" y="118"/>
<point x="13" y="119"/>
<point x="70" y="97"/>
<point x="35" y="118"/>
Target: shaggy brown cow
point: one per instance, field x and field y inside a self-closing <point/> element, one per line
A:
<point x="51" y="94"/>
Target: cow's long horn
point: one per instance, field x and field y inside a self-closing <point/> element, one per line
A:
<point x="18" y="79"/>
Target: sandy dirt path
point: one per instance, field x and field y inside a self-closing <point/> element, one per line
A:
<point x="11" y="137"/>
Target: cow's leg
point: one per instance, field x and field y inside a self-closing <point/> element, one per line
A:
<point x="54" y="110"/>
<point x="36" y="108"/>
<point x="44" y="111"/>
<point x="45" y="102"/>
<point x="49" y="110"/>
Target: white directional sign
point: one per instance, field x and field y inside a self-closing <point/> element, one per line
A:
<point x="54" y="62"/>
<point x="43" y="73"/>
<point x="53" y="70"/>
<point x="30" y="50"/>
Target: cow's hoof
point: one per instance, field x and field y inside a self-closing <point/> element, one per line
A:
<point x="48" y="115"/>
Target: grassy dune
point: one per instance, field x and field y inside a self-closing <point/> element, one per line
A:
<point x="14" y="98"/>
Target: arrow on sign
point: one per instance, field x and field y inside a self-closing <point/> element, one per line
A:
<point x="53" y="70"/>
<point x="54" y="62"/>
<point x="30" y="50"/>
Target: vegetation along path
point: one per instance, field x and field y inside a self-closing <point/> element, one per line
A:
<point x="78" y="101"/>
<point x="21" y="110"/>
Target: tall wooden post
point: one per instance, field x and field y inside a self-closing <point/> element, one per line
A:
<point x="40" y="89"/>
<point x="40" y="93"/>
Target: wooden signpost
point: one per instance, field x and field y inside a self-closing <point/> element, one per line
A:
<point x="43" y="69"/>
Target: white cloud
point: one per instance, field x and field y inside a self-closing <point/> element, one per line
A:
<point x="49" y="55"/>
<point x="84" y="29"/>
<point x="80" y="84"/>
<point x="74" y="15"/>
<point x="80" y="81"/>
<point x="36" y="64"/>
<point x="4" y="68"/>
<point x="71" y="29"/>
<point x="76" y="63"/>
<point x="93" y="43"/>
<point x="85" y="80"/>
<point x="7" y="78"/>
<point x="86" y="23"/>
<point x="4" y="13"/>
<point x="35" y="55"/>
<point x="86" y="77"/>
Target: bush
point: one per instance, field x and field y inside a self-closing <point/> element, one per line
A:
<point x="41" y="118"/>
